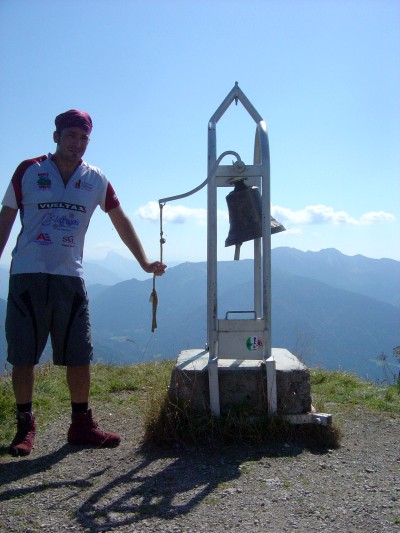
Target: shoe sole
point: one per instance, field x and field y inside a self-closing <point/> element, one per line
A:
<point x="104" y="444"/>
<point x="16" y="452"/>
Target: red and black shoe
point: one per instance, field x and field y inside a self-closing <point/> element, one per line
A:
<point x="24" y="439"/>
<point x="84" y="430"/>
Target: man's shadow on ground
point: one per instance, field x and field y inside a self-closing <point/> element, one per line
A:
<point x="164" y="483"/>
<point x="19" y="468"/>
<point x="185" y="478"/>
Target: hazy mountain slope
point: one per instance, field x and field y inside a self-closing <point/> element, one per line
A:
<point x="329" y="327"/>
<point x="121" y="267"/>
<point x="116" y="267"/>
<point x="377" y="278"/>
<point x="330" y="309"/>
<point x="96" y="274"/>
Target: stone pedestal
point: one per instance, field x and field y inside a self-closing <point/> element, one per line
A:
<point x="242" y="383"/>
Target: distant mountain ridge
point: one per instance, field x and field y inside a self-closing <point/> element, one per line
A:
<point x="332" y="310"/>
<point x="378" y="278"/>
<point x="328" y="327"/>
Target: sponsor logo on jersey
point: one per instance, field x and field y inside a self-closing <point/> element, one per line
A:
<point x="84" y="185"/>
<point x="44" y="183"/>
<point x="62" y="205"/>
<point x="64" y="223"/>
<point x="69" y="241"/>
<point x="44" y="239"/>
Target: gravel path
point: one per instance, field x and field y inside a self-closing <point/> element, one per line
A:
<point x="246" y="488"/>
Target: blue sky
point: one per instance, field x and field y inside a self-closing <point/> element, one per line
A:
<point x="324" y="75"/>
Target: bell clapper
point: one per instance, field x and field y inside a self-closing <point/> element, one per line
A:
<point x="237" y="251"/>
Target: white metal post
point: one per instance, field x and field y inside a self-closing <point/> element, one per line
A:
<point x="272" y="401"/>
<point x="211" y="272"/>
<point x="266" y="223"/>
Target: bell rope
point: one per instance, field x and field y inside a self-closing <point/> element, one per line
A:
<point x="153" y="296"/>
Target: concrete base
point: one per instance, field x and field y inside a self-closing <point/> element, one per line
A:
<point x="242" y="383"/>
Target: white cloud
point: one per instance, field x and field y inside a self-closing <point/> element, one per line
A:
<point x="98" y="250"/>
<point x="293" y="231"/>
<point x="309" y="215"/>
<point x="324" y="214"/>
<point x="377" y="216"/>
<point x="177" y="214"/>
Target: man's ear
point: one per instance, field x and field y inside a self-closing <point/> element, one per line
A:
<point x="56" y="137"/>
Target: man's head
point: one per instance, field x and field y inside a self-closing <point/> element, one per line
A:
<point x="74" y="119"/>
<point x="72" y="136"/>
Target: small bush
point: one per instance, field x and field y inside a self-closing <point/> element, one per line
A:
<point x="169" y="423"/>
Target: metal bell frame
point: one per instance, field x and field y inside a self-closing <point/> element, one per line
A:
<point x="257" y="175"/>
<point x="222" y="334"/>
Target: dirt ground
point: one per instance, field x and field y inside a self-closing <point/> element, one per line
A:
<point x="281" y="487"/>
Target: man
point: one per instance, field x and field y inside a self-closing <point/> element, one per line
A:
<point x="56" y="196"/>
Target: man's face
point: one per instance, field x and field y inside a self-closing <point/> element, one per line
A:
<point x="71" y="144"/>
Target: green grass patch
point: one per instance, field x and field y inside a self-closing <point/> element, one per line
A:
<point x="145" y="386"/>
<point x="345" y="390"/>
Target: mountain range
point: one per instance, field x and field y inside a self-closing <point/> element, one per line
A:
<point x="332" y="310"/>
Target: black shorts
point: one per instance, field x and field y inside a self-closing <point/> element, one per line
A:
<point x="40" y="305"/>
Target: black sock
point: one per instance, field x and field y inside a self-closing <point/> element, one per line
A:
<point x="79" y="407"/>
<point x="24" y="407"/>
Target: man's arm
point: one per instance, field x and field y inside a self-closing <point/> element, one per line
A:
<point x="129" y="237"/>
<point x="7" y="219"/>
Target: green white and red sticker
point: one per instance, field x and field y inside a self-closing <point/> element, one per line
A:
<point x="254" y="343"/>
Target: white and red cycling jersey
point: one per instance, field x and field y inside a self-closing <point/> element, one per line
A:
<point x="55" y="216"/>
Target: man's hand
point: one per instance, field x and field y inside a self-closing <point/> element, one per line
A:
<point x="157" y="268"/>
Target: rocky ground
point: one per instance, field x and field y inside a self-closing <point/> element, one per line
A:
<point x="242" y="487"/>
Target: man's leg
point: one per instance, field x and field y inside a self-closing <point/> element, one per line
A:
<point x="23" y="381"/>
<point x="73" y="348"/>
<point x="27" y="320"/>
<point x="83" y="429"/>
<point x="78" y="379"/>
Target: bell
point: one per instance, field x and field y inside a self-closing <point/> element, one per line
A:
<point x="244" y="207"/>
<point x="245" y="216"/>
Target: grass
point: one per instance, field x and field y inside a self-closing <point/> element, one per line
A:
<point x="109" y="384"/>
<point x="343" y="390"/>
<point x="146" y="385"/>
